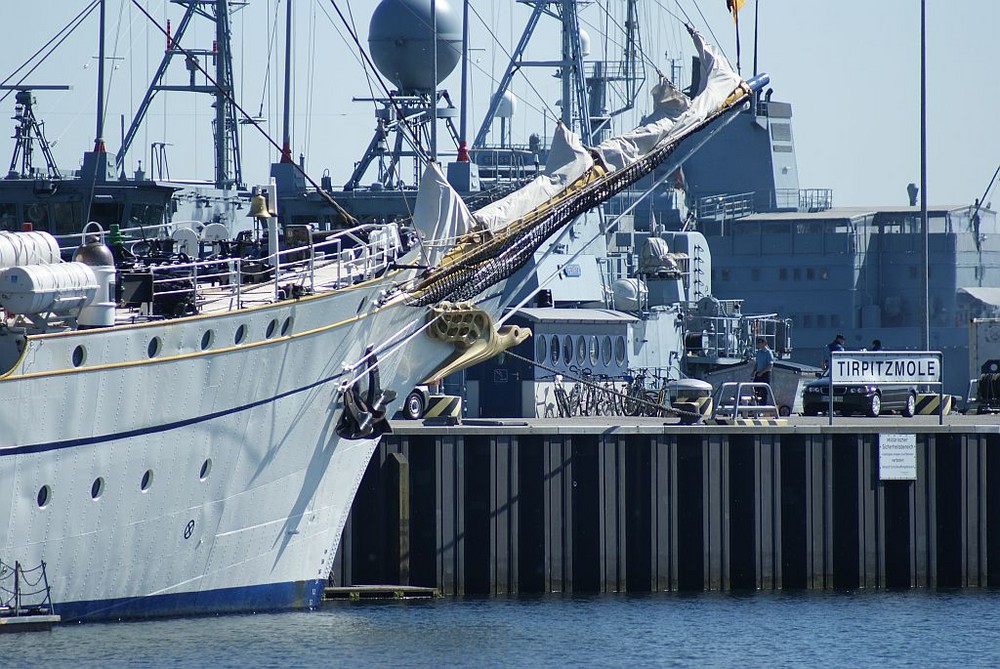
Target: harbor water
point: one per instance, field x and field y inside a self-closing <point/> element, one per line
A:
<point x="884" y="629"/>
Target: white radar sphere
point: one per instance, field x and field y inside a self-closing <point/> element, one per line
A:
<point x="507" y="106"/>
<point x="400" y="39"/>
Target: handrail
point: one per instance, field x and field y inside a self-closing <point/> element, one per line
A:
<point x="361" y="260"/>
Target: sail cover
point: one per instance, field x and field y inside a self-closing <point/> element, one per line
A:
<point x="576" y="180"/>
<point x="440" y="216"/>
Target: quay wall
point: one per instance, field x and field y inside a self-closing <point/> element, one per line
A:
<point x="523" y="508"/>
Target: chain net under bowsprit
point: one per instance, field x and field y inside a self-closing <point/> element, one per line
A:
<point x="498" y="257"/>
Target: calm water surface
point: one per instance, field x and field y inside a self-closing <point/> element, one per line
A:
<point x="918" y="629"/>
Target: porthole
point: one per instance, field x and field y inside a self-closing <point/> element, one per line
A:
<point x="620" y="350"/>
<point x="606" y="350"/>
<point x="44" y="496"/>
<point x="581" y="349"/>
<point x="206" y="469"/>
<point x="595" y="350"/>
<point x="79" y="356"/>
<point x="97" y="488"/>
<point x="207" y="339"/>
<point x="272" y="327"/>
<point x="568" y="349"/>
<point x="541" y="349"/>
<point x="147" y="480"/>
<point x="153" y="349"/>
<point x="241" y="334"/>
<point x="286" y="327"/>
<point x="554" y="349"/>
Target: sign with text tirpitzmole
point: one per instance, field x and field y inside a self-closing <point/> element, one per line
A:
<point x="905" y="367"/>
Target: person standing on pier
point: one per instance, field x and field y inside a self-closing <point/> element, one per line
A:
<point x="763" y="364"/>
<point x="836" y="345"/>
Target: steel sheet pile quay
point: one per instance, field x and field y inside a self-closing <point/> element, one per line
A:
<point x="519" y="506"/>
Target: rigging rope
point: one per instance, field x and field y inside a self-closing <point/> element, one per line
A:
<point x="326" y="196"/>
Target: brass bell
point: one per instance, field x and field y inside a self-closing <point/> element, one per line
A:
<point x="258" y="207"/>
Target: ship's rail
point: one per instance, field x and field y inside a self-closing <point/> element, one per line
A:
<point x="223" y="283"/>
<point x="724" y="207"/>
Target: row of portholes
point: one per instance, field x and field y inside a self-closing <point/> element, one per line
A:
<point x="44" y="497"/>
<point x="155" y="346"/>
<point x="581" y="349"/>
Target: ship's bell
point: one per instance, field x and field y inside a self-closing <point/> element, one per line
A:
<point x="258" y="207"/>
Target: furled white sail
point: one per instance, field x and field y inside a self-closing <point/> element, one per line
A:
<point x="440" y="216"/>
<point x="568" y="161"/>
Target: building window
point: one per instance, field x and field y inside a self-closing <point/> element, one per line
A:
<point x="821" y="320"/>
<point x="810" y="273"/>
<point x="783" y="273"/>
<point x="824" y="274"/>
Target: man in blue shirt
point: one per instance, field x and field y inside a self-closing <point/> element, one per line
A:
<point x="836" y="345"/>
<point x="763" y="364"/>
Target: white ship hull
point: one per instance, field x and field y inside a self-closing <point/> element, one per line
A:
<point x="247" y="484"/>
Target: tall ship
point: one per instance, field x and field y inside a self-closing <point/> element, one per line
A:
<point x="188" y="437"/>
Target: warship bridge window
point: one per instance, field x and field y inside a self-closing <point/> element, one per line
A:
<point x="581" y="350"/>
<point x="286" y="327"/>
<point x="206" y="468"/>
<point x="44" y="496"/>
<point x="38" y="215"/>
<point x="66" y="217"/>
<point x="272" y="327"/>
<point x="241" y="334"/>
<point x="79" y="356"/>
<point x="568" y="349"/>
<point x="620" y="350"/>
<point x="755" y="274"/>
<point x="155" y="344"/>
<point x="595" y="350"/>
<point x="8" y="217"/>
<point x="555" y="349"/>
<point x="207" y="339"/>
<point x="810" y="274"/>
<point x="606" y="350"/>
<point x="97" y="488"/>
<point x="147" y="480"/>
<point x="783" y="273"/>
<point x="541" y="350"/>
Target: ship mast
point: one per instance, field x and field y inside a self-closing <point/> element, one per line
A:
<point x="228" y="169"/>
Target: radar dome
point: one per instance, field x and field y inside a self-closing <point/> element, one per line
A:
<point x="399" y="37"/>
<point x="507" y="106"/>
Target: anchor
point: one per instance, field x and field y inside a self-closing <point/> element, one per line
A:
<point x="364" y="412"/>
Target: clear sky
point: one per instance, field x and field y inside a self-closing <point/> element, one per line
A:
<point x="850" y="69"/>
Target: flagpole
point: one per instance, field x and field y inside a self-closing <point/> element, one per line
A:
<point x="926" y="329"/>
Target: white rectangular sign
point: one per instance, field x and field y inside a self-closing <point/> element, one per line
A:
<point x="886" y="367"/>
<point x="897" y="457"/>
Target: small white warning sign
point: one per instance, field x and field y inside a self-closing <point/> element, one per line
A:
<point x="897" y="457"/>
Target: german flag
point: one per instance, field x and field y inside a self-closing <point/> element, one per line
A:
<point x="735" y="6"/>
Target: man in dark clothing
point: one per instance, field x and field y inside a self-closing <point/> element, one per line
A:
<point x="876" y="345"/>
<point x="836" y="345"/>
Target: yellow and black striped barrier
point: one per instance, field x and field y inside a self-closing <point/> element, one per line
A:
<point x="929" y="404"/>
<point x="444" y="406"/>
<point x="750" y="422"/>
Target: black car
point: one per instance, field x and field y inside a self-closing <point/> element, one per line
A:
<point x="869" y="399"/>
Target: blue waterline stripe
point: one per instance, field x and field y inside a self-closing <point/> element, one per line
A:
<point x="251" y="598"/>
<point x="166" y="427"/>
